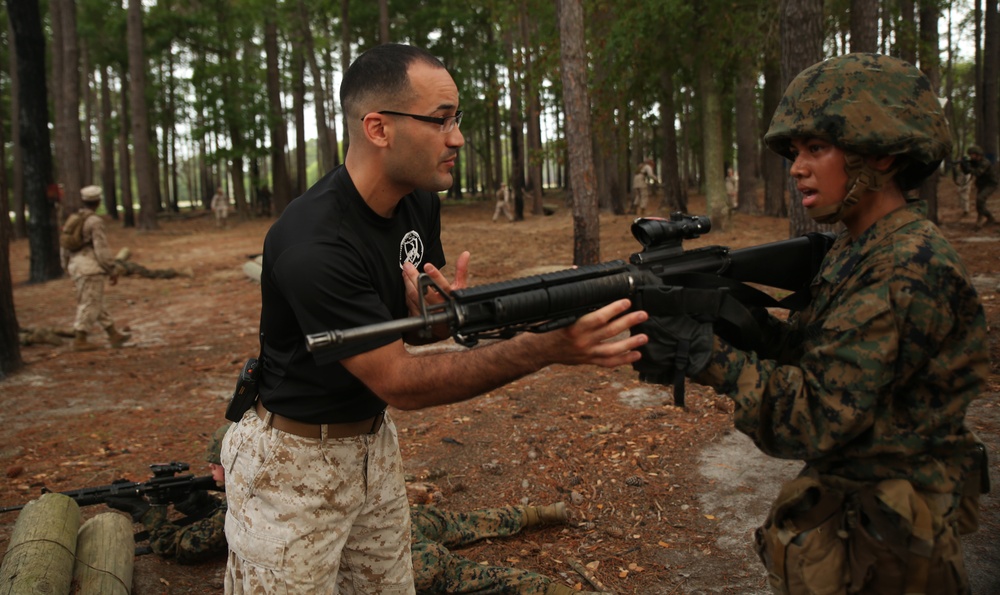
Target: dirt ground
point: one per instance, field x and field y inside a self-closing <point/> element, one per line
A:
<point x="663" y="499"/>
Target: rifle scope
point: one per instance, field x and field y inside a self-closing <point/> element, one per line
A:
<point x="656" y="231"/>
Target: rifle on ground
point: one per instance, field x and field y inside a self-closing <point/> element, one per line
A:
<point x="164" y="487"/>
<point x="710" y="283"/>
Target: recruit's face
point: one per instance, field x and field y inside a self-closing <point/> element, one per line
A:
<point x="423" y="156"/>
<point x="819" y="172"/>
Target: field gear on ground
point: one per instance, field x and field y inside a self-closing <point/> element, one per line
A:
<point x="869" y="105"/>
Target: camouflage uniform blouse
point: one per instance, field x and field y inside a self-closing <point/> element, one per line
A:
<point x="202" y="540"/>
<point x="873" y="379"/>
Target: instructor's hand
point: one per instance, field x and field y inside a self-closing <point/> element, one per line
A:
<point x="431" y="296"/>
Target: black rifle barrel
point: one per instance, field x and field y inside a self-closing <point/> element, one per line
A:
<point x="176" y="486"/>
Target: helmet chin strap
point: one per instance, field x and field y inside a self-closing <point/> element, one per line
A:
<point x="860" y="177"/>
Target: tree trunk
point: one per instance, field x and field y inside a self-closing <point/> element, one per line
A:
<point x="515" y="72"/>
<point x="326" y="143"/>
<point x="801" y="47"/>
<point x="773" y="165"/>
<point x="383" y="21"/>
<point x="149" y="200"/>
<point x="20" y="229"/>
<point x="279" y="138"/>
<point x="864" y="26"/>
<point x="10" y="348"/>
<point x="586" y="222"/>
<point x="906" y="32"/>
<point x="68" y="120"/>
<point x="87" y="153"/>
<point x="930" y="64"/>
<point x="673" y="194"/>
<point x="33" y="116"/>
<point x="747" y="143"/>
<point x="533" y="114"/>
<point x="299" y="116"/>
<point x="107" y="148"/>
<point x="345" y="58"/>
<point x="124" y="158"/>
<point x="713" y="156"/>
<point x="991" y="80"/>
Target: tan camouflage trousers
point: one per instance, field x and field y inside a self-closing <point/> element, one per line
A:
<point x="437" y="570"/>
<point x="90" y="303"/>
<point x="315" y="516"/>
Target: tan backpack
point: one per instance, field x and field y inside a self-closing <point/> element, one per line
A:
<point x="71" y="237"/>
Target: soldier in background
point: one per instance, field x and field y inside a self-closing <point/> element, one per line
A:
<point x="640" y="186"/>
<point x="220" y="206"/>
<point x="89" y="266"/>
<point x="503" y="204"/>
<point x="986" y="183"/>
<point x="189" y="543"/>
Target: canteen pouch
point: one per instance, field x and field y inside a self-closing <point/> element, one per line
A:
<point x="802" y="543"/>
<point x="898" y="543"/>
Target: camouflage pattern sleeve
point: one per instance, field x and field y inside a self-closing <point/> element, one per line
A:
<point x="874" y="377"/>
<point x="202" y="540"/>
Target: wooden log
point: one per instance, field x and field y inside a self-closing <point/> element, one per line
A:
<point x="105" y="555"/>
<point x="42" y="548"/>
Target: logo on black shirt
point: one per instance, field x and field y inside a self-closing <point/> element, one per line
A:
<point x="411" y="249"/>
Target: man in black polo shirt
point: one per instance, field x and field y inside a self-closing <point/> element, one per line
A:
<point x="317" y="502"/>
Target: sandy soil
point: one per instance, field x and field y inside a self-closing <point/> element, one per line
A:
<point x="663" y="499"/>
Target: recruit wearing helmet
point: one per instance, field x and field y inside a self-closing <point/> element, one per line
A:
<point x="869" y="105"/>
<point x="213" y="452"/>
<point x="974" y="150"/>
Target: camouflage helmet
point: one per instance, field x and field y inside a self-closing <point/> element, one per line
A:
<point x="974" y="150"/>
<point x="212" y="453"/>
<point x="869" y="105"/>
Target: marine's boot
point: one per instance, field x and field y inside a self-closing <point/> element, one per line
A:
<point x="553" y="514"/>
<point x="115" y="338"/>
<point x="80" y="342"/>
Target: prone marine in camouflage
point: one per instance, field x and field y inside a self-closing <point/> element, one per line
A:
<point x="199" y="537"/>
<point x="870" y="383"/>
<point x="438" y="570"/>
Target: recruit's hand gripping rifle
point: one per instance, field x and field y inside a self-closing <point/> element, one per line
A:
<point x="164" y="487"/>
<point x="710" y="283"/>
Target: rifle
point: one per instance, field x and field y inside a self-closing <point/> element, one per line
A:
<point x="165" y="486"/>
<point x="711" y="283"/>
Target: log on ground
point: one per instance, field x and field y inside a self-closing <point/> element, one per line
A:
<point x="105" y="556"/>
<point x="42" y="547"/>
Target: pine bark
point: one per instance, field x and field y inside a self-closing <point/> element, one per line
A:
<point x="586" y="224"/>
<point x="145" y="174"/>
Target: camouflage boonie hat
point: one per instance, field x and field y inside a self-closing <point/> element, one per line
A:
<point x="212" y="454"/>
<point x="868" y="104"/>
<point x="975" y="150"/>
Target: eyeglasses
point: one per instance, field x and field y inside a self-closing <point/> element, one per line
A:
<point x="447" y="123"/>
